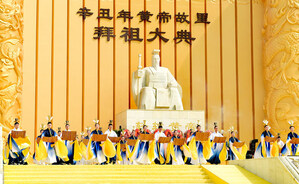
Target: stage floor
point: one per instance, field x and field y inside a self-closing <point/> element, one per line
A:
<point x="133" y="174"/>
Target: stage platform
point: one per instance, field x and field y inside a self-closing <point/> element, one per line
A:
<point x="276" y="170"/>
<point x="133" y="174"/>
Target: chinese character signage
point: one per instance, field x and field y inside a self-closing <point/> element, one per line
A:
<point x="132" y="34"/>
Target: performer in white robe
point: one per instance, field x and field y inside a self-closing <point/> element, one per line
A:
<point x="161" y="148"/>
<point x="111" y="133"/>
<point x="121" y="153"/>
<point x="218" y="148"/>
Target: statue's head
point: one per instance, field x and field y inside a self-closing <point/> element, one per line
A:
<point x="156" y="58"/>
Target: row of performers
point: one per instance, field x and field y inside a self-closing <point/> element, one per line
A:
<point x="177" y="151"/>
<point x="271" y="146"/>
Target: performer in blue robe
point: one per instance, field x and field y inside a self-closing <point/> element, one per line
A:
<point x="52" y="157"/>
<point x="17" y="149"/>
<point x="70" y="146"/>
<point x="199" y="148"/>
<point x="178" y="152"/>
<point x="141" y="154"/>
<point x="232" y="139"/>
<point x="124" y="160"/>
<point x="235" y="153"/>
<point x="289" y="148"/>
<point x="130" y="148"/>
<point x="96" y="147"/>
<point x="264" y="148"/>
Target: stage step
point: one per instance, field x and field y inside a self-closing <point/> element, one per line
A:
<point x="106" y="174"/>
<point x="223" y="174"/>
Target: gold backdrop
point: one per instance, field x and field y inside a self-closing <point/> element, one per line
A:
<point x="74" y="77"/>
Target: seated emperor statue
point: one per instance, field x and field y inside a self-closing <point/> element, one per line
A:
<point x="155" y="87"/>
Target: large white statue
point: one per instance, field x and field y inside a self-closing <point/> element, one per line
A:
<point x="155" y="87"/>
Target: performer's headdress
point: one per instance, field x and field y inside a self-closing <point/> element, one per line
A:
<point x="82" y="133"/>
<point x="59" y="129"/>
<point x="16" y="121"/>
<point x="160" y="125"/>
<point x="110" y="122"/>
<point x="88" y="128"/>
<point x="231" y="129"/>
<point x="42" y="127"/>
<point x="291" y="122"/>
<point x="96" y="121"/>
<point x="222" y="132"/>
<point x="198" y="124"/>
<point x="49" y="119"/>
<point x="67" y="122"/>
<point x="144" y="124"/>
<point x="266" y="123"/>
<point x="215" y="124"/>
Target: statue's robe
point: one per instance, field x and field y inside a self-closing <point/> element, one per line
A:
<point x="156" y="88"/>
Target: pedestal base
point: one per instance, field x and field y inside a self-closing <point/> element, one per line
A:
<point x="180" y="120"/>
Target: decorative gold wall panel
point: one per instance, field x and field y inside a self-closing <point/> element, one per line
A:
<point x="11" y="58"/>
<point x="281" y="63"/>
